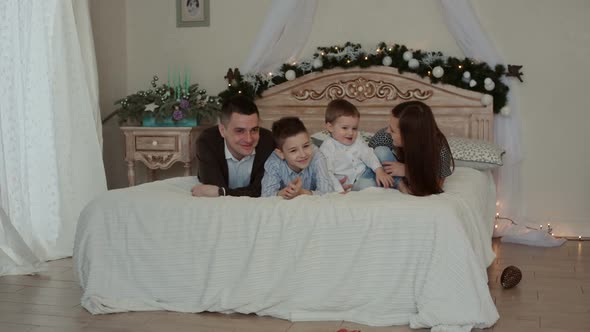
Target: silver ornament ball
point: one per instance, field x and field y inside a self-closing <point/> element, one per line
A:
<point x="408" y="55"/>
<point x="438" y="72"/>
<point x="318" y="63"/>
<point x="486" y="99"/>
<point x="290" y="75"/>
<point x="413" y="64"/>
<point x="387" y="61"/>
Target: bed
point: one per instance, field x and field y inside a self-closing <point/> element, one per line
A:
<point x="375" y="257"/>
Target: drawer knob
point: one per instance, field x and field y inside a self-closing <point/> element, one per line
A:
<point x="154" y="143"/>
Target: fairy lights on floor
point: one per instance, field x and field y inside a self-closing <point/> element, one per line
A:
<point x="549" y="228"/>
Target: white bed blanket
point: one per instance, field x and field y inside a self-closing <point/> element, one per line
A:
<point x="375" y="257"/>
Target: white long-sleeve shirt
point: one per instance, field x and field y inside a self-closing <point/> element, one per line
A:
<point x="349" y="160"/>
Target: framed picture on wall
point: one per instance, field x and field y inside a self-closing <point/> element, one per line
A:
<point x="192" y="13"/>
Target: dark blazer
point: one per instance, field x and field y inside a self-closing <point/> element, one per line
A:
<point x="213" y="165"/>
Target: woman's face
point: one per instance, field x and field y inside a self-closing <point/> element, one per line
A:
<point x="395" y="132"/>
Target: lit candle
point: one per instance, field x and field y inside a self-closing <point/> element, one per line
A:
<point x="178" y="84"/>
<point x="185" y="80"/>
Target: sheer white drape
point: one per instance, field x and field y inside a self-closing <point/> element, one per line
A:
<point x="282" y="36"/>
<point x="464" y="25"/>
<point x="50" y="155"/>
<point x="15" y="256"/>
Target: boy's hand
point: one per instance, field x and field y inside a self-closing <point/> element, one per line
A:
<point x="346" y="187"/>
<point x="292" y="189"/>
<point x="383" y="179"/>
<point x="305" y="192"/>
<point x="394" y="168"/>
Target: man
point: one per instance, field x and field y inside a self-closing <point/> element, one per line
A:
<point x="232" y="155"/>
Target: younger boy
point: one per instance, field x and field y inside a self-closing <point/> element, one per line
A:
<point x="349" y="157"/>
<point x="295" y="167"/>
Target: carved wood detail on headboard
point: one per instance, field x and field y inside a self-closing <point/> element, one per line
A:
<point x="361" y="89"/>
<point x="375" y="91"/>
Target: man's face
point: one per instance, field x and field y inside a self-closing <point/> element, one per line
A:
<point x="241" y="134"/>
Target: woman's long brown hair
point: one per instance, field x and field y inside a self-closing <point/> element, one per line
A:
<point x="422" y="145"/>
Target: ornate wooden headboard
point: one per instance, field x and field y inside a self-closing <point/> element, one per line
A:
<point x="375" y="91"/>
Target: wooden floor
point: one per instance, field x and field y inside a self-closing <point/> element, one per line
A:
<point x="554" y="296"/>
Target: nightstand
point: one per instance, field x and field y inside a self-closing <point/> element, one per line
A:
<point x="159" y="148"/>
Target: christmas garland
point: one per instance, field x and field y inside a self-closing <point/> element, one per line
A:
<point x="167" y="102"/>
<point x="463" y="73"/>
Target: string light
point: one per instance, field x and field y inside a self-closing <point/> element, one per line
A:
<point x="347" y="61"/>
<point x="240" y="91"/>
<point x="270" y="74"/>
<point x="429" y="73"/>
<point x="549" y="228"/>
<point x="390" y="48"/>
<point x="366" y="58"/>
<point x="229" y="84"/>
<point x="460" y="68"/>
<point x="321" y="53"/>
<point x="294" y="63"/>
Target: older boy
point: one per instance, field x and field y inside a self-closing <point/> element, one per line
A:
<point x="295" y="167"/>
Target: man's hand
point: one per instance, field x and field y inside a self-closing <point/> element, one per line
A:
<point x="205" y="190"/>
<point x="292" y="189"/>
<point x="394" y="168"/>
<point x="383" y="179"/>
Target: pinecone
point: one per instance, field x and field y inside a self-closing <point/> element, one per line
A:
<point x="510" y="277"/>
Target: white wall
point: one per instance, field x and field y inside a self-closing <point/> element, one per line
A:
<point x="109" y="30"/>
<point x="551" y="39"/>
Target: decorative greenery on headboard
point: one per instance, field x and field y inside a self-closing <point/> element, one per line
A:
<point x="463" y="73"/>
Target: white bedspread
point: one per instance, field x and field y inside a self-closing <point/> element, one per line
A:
<point x="376" y="257"/>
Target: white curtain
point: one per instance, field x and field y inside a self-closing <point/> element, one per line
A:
<point x="86" y="40"/>
<point x="464" y="25"/>
<point x="282" y="36"/>
<point x="15" y="256"/>
<point x="50" y="155"/>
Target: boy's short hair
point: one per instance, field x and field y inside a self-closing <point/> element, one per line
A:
<point x="286" y="127"/>
<point x="340" y="107"/>
<point x="237" y="104"/>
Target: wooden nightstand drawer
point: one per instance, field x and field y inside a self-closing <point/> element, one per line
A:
<point x="159" y="148"/>
<point x="156" y="143"/>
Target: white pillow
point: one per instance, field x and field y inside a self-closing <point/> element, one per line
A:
<point x="476" y="154"/>
<point x="319" y="137"/>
